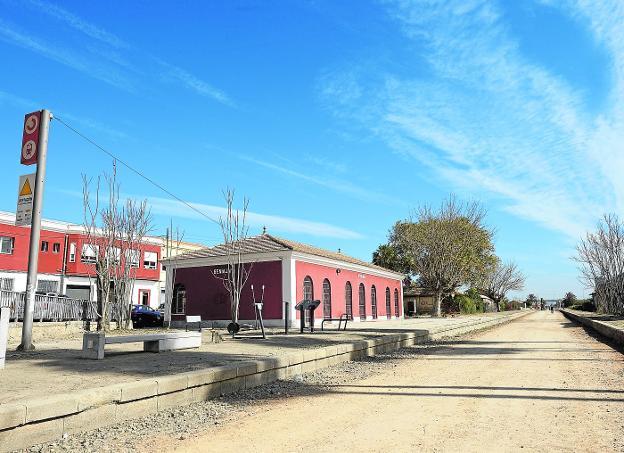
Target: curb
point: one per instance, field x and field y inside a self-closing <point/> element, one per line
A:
<point x="48" y="419"/>
<point x="603" y="328"/>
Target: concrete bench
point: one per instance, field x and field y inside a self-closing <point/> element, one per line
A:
<point x="93" y="342"/>
<point x="194" y="320"/>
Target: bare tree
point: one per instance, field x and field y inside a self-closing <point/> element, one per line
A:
<point x="445" y="248"/>
<point x="500" y="278"/>
<point x="601" y="258"/>
<point x="235" y="230"/>
<point x="173" y="244"/>
<point x="114" y="233"/>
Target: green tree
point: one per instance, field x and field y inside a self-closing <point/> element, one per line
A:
<point x="444" y="248"/>
<point x="531" y="300"/>
<point x="569" y="299"/>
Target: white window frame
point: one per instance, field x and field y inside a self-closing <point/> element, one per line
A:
<point x="148" y="262"/>
<point x="72" y="252"/>
<point x="133" y="258"/>
<point x="11" y="242"/>
<point x="45" y="246"/>
<point x="89" y="253"/>
<point x="56" y="247"/>
<point x="114" y="253"/>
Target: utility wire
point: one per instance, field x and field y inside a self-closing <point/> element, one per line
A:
<point x="129" y="167"/>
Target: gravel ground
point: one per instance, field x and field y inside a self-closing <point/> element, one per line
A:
<point x="187" y="420"/>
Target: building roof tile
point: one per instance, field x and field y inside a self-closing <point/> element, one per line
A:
<point x="268" y="243"/>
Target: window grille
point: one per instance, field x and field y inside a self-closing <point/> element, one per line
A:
<point x="362" y="301"/>
<point x="6" y="284"/>
<point x="6" y="245"/>
<point x="178" y="307"/>
<point x="308" y="294"/>
<point x="388" y="304"/>
<point x="47" y="286"/>
<point x="374" y="301"/>
<point x="326" y="299"/>
<point x="44" y="246"/>
<point x="349" y="300"/>
<point x="397" y="313"/>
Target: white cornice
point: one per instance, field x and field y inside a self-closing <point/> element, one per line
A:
<point x="315" y="259"/>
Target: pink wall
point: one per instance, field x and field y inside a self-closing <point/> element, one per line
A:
<point x="206" y="295"/>
<point x="338" y="282"/>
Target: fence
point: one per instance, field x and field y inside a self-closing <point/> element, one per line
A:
<point x="49" y="308"/>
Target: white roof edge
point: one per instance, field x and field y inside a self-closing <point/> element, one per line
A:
<point x="349" y="266"/>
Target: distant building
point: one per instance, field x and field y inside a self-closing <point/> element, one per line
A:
<point x="418" y="301"/>
<point x="289" y="272"/>
<point x="66" y="263"/>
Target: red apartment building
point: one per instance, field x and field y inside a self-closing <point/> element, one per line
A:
<point x="290" y="272"/>
<point x="66" y="263"/>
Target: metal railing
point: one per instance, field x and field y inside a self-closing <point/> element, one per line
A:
<point x="49" y="308"/>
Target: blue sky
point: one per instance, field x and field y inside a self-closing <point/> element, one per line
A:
<point x="334" y="118"/>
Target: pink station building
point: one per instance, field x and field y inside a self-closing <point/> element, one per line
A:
<point x="290" y="272"/>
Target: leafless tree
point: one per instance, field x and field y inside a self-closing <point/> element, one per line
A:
<point x="114" y="233"/>
<point x="500" y="278"/>
<point x="173" y="242"/>
<point x="601" y="260"/>
<point x="234" y="229"/>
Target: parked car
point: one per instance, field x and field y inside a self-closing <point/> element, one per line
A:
<point x="144" y="316"/>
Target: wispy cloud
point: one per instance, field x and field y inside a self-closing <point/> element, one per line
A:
<point x="333" y="184"/>
<point x="195" y="84"/>
<point x="81" y="63"/>
<point x="489" y="120"/>
<point x="105" y="56"/>
<point x="77" y="23"/>
<point x="276" y="223"/>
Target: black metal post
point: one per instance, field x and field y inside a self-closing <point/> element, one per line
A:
<point x="286" y="315"/>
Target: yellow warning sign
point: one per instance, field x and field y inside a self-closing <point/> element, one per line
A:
<point x="26" y="190"/>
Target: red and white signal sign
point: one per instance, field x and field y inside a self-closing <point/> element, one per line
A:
<point x="30" y="138"/>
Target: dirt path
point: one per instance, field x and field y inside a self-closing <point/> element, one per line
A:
<point x="539" y="383"/>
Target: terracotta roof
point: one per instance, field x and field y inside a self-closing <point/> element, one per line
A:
<point x="267" y="243"/>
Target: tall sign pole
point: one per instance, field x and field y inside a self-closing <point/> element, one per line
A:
<point x="34" y="150"/>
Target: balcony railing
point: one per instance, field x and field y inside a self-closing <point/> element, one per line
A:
<point x="49" y="308"/>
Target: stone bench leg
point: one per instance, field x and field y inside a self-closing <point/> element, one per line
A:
<point x="93" y="346"/>
<point x="152" y="346"/>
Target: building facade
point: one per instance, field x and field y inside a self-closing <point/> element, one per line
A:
<point x="282" y="271"/>
<point x="66" y="262"/>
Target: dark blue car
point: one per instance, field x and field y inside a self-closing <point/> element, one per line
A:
<point x="144" y="316"/>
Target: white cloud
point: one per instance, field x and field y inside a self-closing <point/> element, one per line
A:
<point x="333" y="184"/>
<point x="273" y="223"/>
<point x="195" y="84"/>
<point x="77" y="23"/>
<point x="88" y="66"/>
<point x="490" y="121"/>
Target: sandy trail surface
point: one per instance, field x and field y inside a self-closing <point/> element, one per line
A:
<point x="540" y="383"/>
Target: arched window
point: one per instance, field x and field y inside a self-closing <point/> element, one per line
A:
<point x="388" y="305"/>
<point x="362" y="301"/>
<point x="308" y="294"/>
<point x="349" y="301"/>
<point x="327" y="313"/>
<point x="178" y="304"/>
<point x="397" y="313"/>
<point x="308" y="289"/>
<point x="374" y="301"/>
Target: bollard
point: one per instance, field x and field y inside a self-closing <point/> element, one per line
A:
<point x="286" y="315"/>
<point x="4" y="333"/>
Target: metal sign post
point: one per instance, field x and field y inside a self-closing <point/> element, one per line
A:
<point x="35" y="231"/>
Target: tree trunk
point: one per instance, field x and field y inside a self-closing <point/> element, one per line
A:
<point x="437" y="306"/>
<point x="497" y="304"/>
